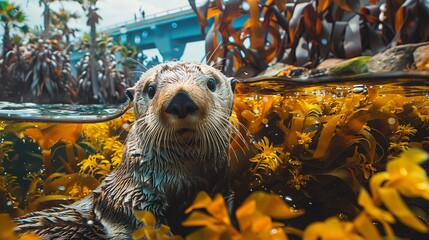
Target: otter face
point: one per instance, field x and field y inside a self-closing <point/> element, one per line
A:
<point x="183" y="100"/>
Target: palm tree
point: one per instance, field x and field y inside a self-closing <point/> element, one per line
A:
<point x="60" y="20"/>
<point x="89" y="7"/>
<point x="12" y="17"/>
<point x="46" y="17"/>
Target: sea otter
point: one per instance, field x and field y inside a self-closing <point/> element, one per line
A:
<point x="177" y="147"/>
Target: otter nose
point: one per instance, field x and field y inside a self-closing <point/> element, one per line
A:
<point x="181" y="105"/>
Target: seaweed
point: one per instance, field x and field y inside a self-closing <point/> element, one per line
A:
<point x="59" y="161"/>
<point x="346" y="155"/>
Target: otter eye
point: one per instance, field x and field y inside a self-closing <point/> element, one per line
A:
<point x="151" y="91"/>
<point x="211" y="84"/>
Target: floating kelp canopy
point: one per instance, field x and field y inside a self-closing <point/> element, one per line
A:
<point x="314" y="143"/>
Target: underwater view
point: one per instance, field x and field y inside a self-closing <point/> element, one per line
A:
<point x="342" y="154"/>
<point x="218" y="120"/>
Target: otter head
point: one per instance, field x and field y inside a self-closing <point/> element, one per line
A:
<point x="183" y="103"/>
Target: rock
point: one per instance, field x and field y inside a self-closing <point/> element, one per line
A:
<point x="330" y="62"/>
<point x="421" y="57"/>
<point x="398" y="58"/>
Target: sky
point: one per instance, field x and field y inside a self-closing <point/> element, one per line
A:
<point x="113" y="12"/>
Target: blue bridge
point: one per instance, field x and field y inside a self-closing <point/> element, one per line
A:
<point x="168" y="31"/>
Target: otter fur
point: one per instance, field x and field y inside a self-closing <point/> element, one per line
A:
<point x="177" y="147"/>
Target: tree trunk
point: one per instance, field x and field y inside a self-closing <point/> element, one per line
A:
<point x="6" y="41"/>
<point x="92" y="60"/>
<point x="46" y="21"/>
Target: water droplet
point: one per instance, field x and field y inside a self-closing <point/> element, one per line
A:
<point x="358" y="89"/>
<point x="391" y="121"/>
<point x="90" y="222"/>
<point x="61" y="188"/>
<point x="9" y="203"/>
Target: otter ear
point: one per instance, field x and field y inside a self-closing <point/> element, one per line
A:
<point x="233" y="82"/>
<point x="130" y="93"/>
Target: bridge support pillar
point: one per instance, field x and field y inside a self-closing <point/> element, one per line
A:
<point x="169" y="49"/>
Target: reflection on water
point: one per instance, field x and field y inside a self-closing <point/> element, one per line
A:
<point x="61" y="112"/>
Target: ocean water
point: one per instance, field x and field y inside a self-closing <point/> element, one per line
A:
<point x="314" y="142"/>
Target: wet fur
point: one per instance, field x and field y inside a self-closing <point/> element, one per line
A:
<point x="162" y="168"/>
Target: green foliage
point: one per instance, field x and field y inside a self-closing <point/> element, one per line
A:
<point x="12" y="18"/>
<point x="41" y="72"/>
<point x="112" y="82"/>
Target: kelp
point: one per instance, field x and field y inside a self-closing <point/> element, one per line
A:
<point x="150" y="231"/>
<point x="7" y="233"/>
<point x="61" y="166"/>
<point x="317" y="144"/>
<point x="253" y="217"/>
<point x="403" y="177"/>
<point x="304" y="33"/>
<point x="318" y="148"/>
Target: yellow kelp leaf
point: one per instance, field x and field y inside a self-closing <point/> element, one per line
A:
<point x="202" y="200"/>
<point x="261" y="223"/>
<point x="149" y="231"/>
<point x="296" y="126"/>
<point x="275" y="234"/>
<point x="139" y="233"/>
<point x="365" y="227"/>
<point x="376" y="181"/>
<point x="273" y="205"/>
<point x="215" y="207"/>
<point x="199" y="219"/>
<point x="6" y="227"/>
<point x="326" y="136"/>
<point x="330" y="229"/>
<point x="7" y="233"/>
<point x="375" y="212"/>
<point x="218" y="209"/>
<point x="250" y="219"/>
<point x="244" y="212"/>
<point x="146" y="217"/>
<point x="407" y="176"/>
<point x="393" y="201"/>
<point x="413" y="155"/>
<point x="211" y="232"/>
<point x="51" y="134"/>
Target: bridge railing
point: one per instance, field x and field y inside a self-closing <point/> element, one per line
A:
<point x="147" y="17"/>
